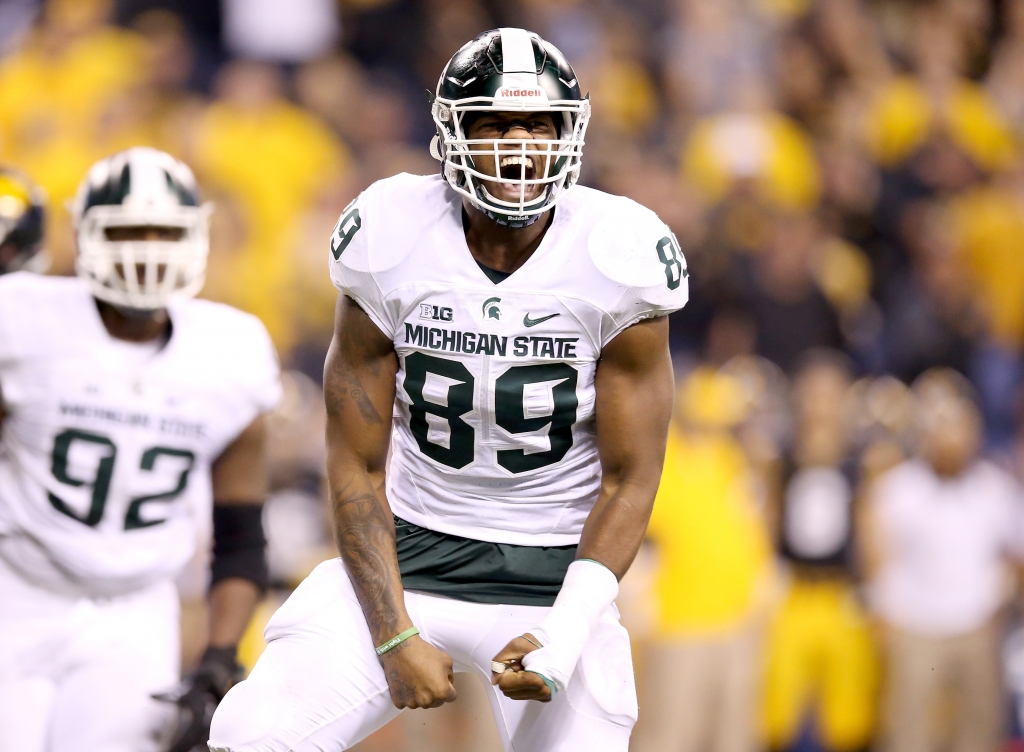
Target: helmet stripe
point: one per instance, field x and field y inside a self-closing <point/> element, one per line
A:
<point x="517" y="52"/>
<point x="148" y="184"/>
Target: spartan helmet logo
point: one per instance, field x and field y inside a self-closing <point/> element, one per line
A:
<point x="491" y="309"/>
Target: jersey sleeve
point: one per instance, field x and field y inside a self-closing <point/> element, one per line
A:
<point x="29" y="318"/>
<point x="249" y="373"/>
<point x="641" y="265"/>
<point x="265" y="373"/>
<point x="7" y="347"/>
<point x="351" y="262"/>
<point x="6" y="336"/>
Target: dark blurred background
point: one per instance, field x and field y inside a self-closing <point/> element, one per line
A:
<point x="846" y="180"/>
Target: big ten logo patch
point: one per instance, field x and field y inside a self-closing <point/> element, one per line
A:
<point x="435" y="313"/>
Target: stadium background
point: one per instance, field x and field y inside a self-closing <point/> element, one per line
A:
<point x="841" y="174"/>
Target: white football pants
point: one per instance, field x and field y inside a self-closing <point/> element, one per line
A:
<point x="320" y="686"/>
<point x="76" y="674"/>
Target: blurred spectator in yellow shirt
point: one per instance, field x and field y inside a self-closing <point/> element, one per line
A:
<point x="703" y="672"/>
<point x="52" y="92"/>
<point x="158" y="110"/>
<point x="987" y="226"/>
<point x="937" y="102"/>
<point x="625" y="98"/>
<point x="276" y="160"/>
<point x="753" y="150"/>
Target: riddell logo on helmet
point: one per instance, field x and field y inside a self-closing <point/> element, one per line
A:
<point x="507" y="92"/>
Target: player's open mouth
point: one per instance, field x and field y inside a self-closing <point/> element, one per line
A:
<point x="517" y="167"/>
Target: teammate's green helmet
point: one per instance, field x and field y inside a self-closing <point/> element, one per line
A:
<point x="141" y="187"/>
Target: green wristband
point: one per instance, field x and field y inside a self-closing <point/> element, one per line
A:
<point x="396" y="640"/>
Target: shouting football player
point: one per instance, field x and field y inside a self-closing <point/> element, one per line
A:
<point x="505" y="333"/>
<point x="131" y="417"/>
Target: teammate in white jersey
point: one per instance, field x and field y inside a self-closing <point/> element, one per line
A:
<point x="131" y="422"/>
<point x="505" y="334"/>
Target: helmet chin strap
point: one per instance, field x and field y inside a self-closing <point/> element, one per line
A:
<point x="505" y="220"/>
<point x="515" y="224"/>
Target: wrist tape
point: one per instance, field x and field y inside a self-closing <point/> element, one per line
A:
<point x="587" y="592"/>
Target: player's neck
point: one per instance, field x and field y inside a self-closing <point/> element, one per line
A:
<point x="137" y="327"/>
<point x="499" y="247"/>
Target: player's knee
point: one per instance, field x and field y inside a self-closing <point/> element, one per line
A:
<point x="243" y="720"/>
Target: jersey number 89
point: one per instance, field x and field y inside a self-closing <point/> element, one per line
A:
<point x="509" y="404"/>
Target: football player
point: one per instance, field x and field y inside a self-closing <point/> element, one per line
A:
<point x="132" y="423"/>
<point x="22" y="218"/>
<point x="515" y="327"/>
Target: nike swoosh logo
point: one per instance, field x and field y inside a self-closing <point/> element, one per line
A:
<point x="527" y="321"/>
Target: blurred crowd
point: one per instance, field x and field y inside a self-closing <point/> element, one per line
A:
<point x="830" y="557"/>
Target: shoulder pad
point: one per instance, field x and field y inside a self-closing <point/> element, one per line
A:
<point x="637" y="252"/>
<point x="631" y="245"/>
<point x="376" y="232"/>
<point x="368" y="234"/>
<point x="240" y="343"/>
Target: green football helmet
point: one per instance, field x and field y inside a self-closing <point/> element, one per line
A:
<point x="510" y="70"/>
<point x="141" y="187"/>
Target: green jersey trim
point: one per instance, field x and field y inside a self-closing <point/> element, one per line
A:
<point x="495" y="275"/>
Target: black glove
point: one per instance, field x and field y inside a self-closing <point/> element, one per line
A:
<point x="197" y="697"/>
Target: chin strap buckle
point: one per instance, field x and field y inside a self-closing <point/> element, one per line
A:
<point x="435" y="148"/>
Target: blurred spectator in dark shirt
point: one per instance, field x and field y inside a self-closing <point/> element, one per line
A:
<point x="779" y="289"/>
<point x="931" y="319"/>
<point x="822" y="662"/>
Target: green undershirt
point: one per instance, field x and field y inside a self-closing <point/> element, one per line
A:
<point x="478" y="571"/>
<point x="496" y="276"/>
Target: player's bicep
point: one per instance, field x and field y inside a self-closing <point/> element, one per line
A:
<point x="634" y="388"/>
<point x="359" y="389"/>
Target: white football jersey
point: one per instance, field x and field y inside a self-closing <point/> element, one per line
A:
<point x="105" y="455"/>
<point x="494" y="432"/>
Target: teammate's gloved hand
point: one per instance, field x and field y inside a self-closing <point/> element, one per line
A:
<point x="197" y="697"/>
<point x="419" y="675"/>
<point x="516" y="682"/>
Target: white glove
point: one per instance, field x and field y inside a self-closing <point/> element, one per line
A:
<point x="587" y="592"/>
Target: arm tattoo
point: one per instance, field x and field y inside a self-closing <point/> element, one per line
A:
<point x="366" y="541"/>
<point x="343" y="382"/>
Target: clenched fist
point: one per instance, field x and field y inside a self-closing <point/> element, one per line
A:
<point x="515" y="682"/>
<point x="419" y="675"/>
